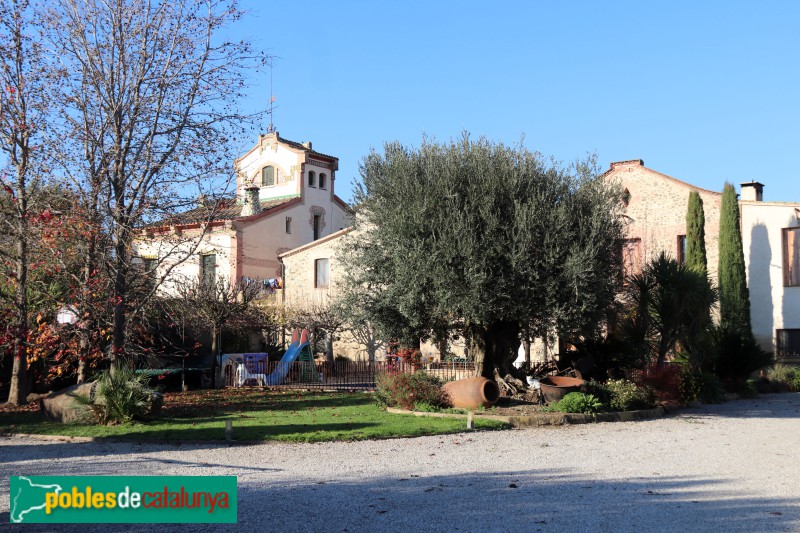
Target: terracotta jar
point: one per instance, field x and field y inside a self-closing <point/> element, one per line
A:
<point x="471" y="393"/>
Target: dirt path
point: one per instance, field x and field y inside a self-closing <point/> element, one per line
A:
<point x="729" y="467"/>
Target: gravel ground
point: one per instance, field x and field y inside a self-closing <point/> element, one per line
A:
<point x="729" y="467"/>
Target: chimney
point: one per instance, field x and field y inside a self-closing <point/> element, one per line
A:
<point x="752" y="191"/>
<point x="307" y="144"/>
<point x="201" y="200"/>
<point x="252" y="204"/>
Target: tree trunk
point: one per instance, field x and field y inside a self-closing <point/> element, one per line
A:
<point x="121" y="262"/>
<point x="83" y="351"/>
<point x="18" y="395"/>
<point x="329" y="347"/>
<point x="214" y="348"/>
<point x="442" y="347"/>
<point x="494" y="347"/>
<point x="120" y="291"/>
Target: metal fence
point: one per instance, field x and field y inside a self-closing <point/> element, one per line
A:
<point x="336" y="375"/>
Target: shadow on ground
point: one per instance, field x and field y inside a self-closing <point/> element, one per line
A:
<point x="539" y="500"/>
<point x="778" y="405"/>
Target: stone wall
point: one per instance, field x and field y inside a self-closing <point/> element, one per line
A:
<point x="656" y="208"/>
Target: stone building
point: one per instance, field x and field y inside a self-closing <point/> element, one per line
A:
<point x="656" y="210"/>
<point x="312" y="278"/>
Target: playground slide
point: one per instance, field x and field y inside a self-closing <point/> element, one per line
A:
<point x="280" y="372"/>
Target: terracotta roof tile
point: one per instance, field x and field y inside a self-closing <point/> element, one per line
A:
<point x="226" y="209"/>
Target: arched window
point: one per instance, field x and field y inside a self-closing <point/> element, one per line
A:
<point x="312" y="179"/>
<point x="322" y="181"/>
<point x="268" y="176"/>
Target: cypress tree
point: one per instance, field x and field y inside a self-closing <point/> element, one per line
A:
<point x="696" y="234"/>
<point x="734" y="297"/>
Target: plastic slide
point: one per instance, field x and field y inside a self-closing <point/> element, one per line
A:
<point x="295" y="349"/>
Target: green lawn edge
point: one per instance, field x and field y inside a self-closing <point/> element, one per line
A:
<point x="264" y="417"/>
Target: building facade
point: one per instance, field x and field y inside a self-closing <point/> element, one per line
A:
<point x="285" y="198"/>
<point x="771" y="242"/>
<point x="656" y="215"/>
<point x="656" y="210"/>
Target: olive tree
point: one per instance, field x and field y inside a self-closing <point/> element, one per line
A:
<point x="482" y="237"/>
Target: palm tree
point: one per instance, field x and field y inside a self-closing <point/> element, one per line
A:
<point x="670" y="304"/>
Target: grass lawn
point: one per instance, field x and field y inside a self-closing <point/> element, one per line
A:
<point x="257" y="415"/>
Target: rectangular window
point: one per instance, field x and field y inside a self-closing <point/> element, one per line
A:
<point x="208" y="271"/>
<point x="322" y="181"/>
<point x="631" y="256"/>
<point x="321" y="273"/>
<point x="682" y="249"/>
<point x="787" y="342"/>
<point x="288" y="224"/>
<point x="791" y="257"/>
<point x="317" y="226"/>
<point x="268" y="176"/>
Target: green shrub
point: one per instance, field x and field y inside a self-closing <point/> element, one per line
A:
<point x="121" y="396"/>
<point x="425" y="407"/>
<point x="747" y="389"/>
<point x="405" y="390"/>
<point x="735" y="355"/>
<point x="786" y="376"/>
<point x="711" y="388"/>
<point x="598" y="390"/>
<point x="702" y="386"/>
<point x="578" y="402"/>
<point x="628" y="396"/>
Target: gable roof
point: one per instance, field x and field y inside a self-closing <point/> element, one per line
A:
<point x="633" y="162"/>
<point x="225" y="209"/>
<point x="300" y="147"/>
<point x="312" y="244"/>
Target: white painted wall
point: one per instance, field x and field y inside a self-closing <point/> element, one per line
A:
<point x="182" y="254"/>
<point x="772" y="306"/>
<point x="287" y="163"/>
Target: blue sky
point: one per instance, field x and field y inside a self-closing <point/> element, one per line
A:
<point x="703" y="91"/>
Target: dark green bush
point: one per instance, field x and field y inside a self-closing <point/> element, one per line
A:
<point x="578" y="402"/>
<point x="736" y="355"/>
<point x="405" y="389"/>
<point x="702" y="386"/>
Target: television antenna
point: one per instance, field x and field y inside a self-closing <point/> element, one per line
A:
<point x="272" y="99"/>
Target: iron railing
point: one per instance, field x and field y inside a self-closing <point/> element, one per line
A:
<point x="336" y="375"/>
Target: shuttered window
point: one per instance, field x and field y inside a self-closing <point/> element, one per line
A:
<point x="791" y="257"/>
<point x="208" y="270"/>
